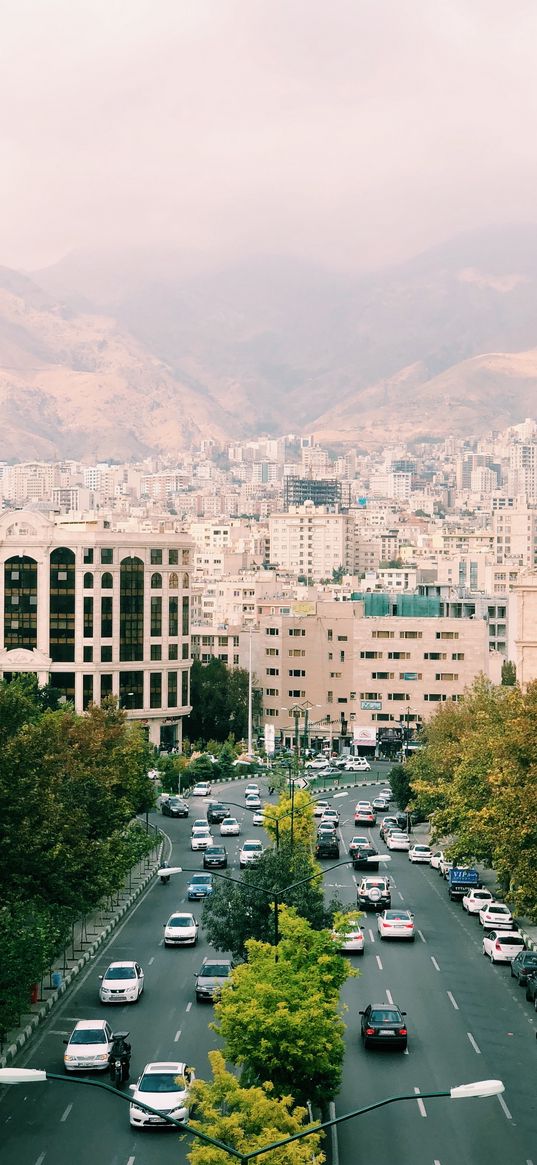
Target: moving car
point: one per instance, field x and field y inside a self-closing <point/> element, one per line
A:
<point x="496" y="916"/>
<point x="202" y="789"/>
<point x="200" y="886"/>
<point x="523" y="966"/>
<point x="380" y="804"/>
<point x="374" y="893"/>
<point x="384" y="1024"/>
<point x="396" y="924"/>
<point x="251" y="852"/>
<point x="356" y="764"/>
<point x="475" y="900"/>
<point x="252" y="801"/>
<point x="216" y="812"/>
<point x="215" y="857"/>
<point x="258" y="817"/>
<point x="350" y="938"/>
<point x="174" y="807"/>
<point x="88" y="1046"/>
<point x="230" y="827"/>
<point x="331" y="815"/>
<point x="502" y="945"/>
<point x="320" y="807"/>
<point x="211" y="977"/>
<point x="251" y="790"/>
<point x="327" y="845"/>
<point x="420" y="853"/>
<point x="201" y="837"/>
<point x="365" y="815"/>
<point x="181" y="930"/>
<point x="164" y="1086"/>
<point x="122" y="983"/>
<point x="398" y="840"/>
<point x="363" y="857"/>
<point x="385" y="824"/>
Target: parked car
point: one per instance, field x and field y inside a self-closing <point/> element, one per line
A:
<point x="215" y="857"/>
<point x="350" y="938"/>
<point x="356" y="764"/>
<point x="420" y="853"/>
<point x="181" y="930"/>
<point x="396" y="924"/>
<point x="475" y="900"/>
<point x="202" y="789"/>
<point x="200" y="886"/>
<point x="174" y="807"/>
<point x="385" y="824"/>
<point x="164" y="1086"/>
<point x="523" y="966"/>
<point x="230" y="827"/>
<point x="88" y="1046"/>
<point x="398" y="840"/>
<point x="211" y="977"/>
<point x="496" y="916"/>
<point x="502" y="945"/>
<point x="216" y="812"/>
<point x="374" y="893"/>
<point x="384" y="1024"/>
<point x="122" y="982"/>
<point x="531" y="989"/>
<point x="251" y="852"/>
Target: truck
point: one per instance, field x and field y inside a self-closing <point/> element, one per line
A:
<point x="460" y="879"/>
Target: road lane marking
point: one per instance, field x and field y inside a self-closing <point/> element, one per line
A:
<point x="379" y="962"/>
<point x="473" y="1043"/>
<point x="131" y="1161"/>
<point x="54" y="1032"/>
<point x="389" y="998"/>
<point x="422" y="936"/>
<point x="435" y="964"/>
<point x="421" y="1105"/>
<point x="66" y="1113"/>
<point x="152" y="960"/>
<point x="41" y="1158"/>
<point x="177" y="1036"/>
<point x="371" y="936"/>
<point x="453" y="1001"/>
<point x="505" y="1108"/>
<point x="400" y="895"/>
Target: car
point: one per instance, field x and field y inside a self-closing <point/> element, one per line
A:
<point x="215" y="857"/>
<point x="444" y="866"/>
<point x="523" y="966"/>
<point x="380" y="804"/>
<point x="420" y="853"/>
<point x="531" y="989"/>
<point x="230" y="827"/>
<point x="396" y="924"/>
<point x="252" y="801"/>
<point x="330" y="815"/>
<point x="356" y="764"/>
<point x="252" y="789"/>
<point x="502" y="945"/>
<point x="387" y="793"/>
<point x="475" y="900"/>
<point x="181" y="930"/>
<point x="174" y="807"/>
<point x="384" y="1024"/>
<point x="216" y="812"/>
<point x="374" y="893"/>
<point x="496" y="916"/>
<point x="252" y="850"/>
<point x="358" y="841"/>
<point x="327" y="846"/>
<point x="200" y="886"/>
<point x="326" y="829"/>
<point x="201" y="837"/>
<point x="320" y="762"/>
<point x="350" y="938"/>
<point x="88" y="1046"/>
<point x="384" y="825"/>
<point x="398" y="840"/>
<point x="211" y="977"/>
<point x="163" y="1085"/>
<point x="258" y="817"/>
<point x="365" y="816"/>
<point x="320" y="807"/>
<point x="202" y="789"/>
<point x="363" y="857"/>
<point x="438" y="856"/>
<point x="122" y="982"/>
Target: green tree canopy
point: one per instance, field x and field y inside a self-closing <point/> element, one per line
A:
<point x="219" y="698"/>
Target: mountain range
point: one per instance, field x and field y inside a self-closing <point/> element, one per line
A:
<point x="119" y="355"/>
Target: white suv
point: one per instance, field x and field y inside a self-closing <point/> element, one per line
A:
<point x="251" y="852"/>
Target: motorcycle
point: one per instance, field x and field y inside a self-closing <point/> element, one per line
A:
<point x="119" y="1059"/>
<point x="163" y="874"/>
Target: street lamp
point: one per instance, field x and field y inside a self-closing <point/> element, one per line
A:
<point x="478" y="1088"/>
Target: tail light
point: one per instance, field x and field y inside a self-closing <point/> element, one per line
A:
<point x="403" y="1031"/>
<point x="409" y="924"/>
<point x="369" y="1031"/>
<point x="497" y="946"/>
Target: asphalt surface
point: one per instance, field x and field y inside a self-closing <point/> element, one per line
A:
<point x="467" y="1021"/>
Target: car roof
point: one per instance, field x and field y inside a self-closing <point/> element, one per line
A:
<point x="176" y="1066"/>
<point x="181" y="914"/>
<point x="252" y="841"/>
<point x="122" y="963"/>
<point x="97" y="1024"/>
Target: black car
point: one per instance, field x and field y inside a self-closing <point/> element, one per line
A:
<point x="363" y="858"/>
<point x="383" y="1024"/>
<point x="174" y="807"/>
<point x="215" y="857"/>
<point x="523" y="965"/>
<point x="211" y="977"/>
<point x="216" y="812"/>
<point x="327" y="846"/>
<point x="531" y="989"/>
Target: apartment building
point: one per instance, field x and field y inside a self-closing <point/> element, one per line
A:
<point x="515" y="536"/>
<point x="523" y="628"/>
<point x="97" y="611"/>
<point x="311" y="542"/>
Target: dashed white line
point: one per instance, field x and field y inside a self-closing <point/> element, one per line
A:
<point x="436" y="1162"/>
<point x="389" y="998"/>
<point x="40" y="1159"/>
<point x="473" y="1043"/>
<point x="505" y="1108"/>
<point x="66" y="1113"/>
<point x="453" y="1001"/>
<point x="152" y="960"/>
<point x="422" y="936"/>
<point x="379" y="962"/>
<point x="189" y="1005"/>
<point x="421" y="1105"/>
<point x="371" y="936"/>
<point x="400" y="895"/>
<point x="435" y="964"/>
<point x="131" y="1161"/>
<point x="177" y="1036"/>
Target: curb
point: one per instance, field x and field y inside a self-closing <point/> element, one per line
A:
<point x="38" y="1016"/>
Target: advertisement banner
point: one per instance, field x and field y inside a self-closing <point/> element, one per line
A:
<point x="363" y="735"/>
<point x="269" y="739"/>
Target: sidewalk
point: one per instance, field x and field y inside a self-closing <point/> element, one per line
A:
<point x="87" y="936"/>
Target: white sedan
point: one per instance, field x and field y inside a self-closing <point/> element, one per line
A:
<point x="88" y="1046"/>
<point x="396" y="924"/>
<point x="122" y="983"/>
<point x="163" y="1086"/>
<point x="201" y="837"/>
<point x="258" y="817"/>
<point x="398" y="840"/>
<point x="350" y="938"/>
<point x="230" y="827"/>
<point x="202" y="789"/>
<point x="320" y="807"/>
<point x="502" y="946"/>
<point x="437" y="857"/>
<point x="251" y="852"/>
<point x="181" y="930"/>
<point x="420" y="853"/>
<point x="475" y="900"/>
<point x="252" y="801"/>
<point x="496" y="916"/>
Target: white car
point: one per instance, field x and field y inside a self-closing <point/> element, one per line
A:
<point x="475" y="900"/>
<point x="380" y="804"/>
<point x="251" y="852"/>
<point x="258" y="818"/>
<point x="88" y="1046"/>
<point x="502" y="946"/>
<point x="181" y="930"/>
<point x="351" y="938"/>
<point x="398" y="840"/>
<point x="496" y="916"/>
<point x="437" y="857"/>
<point x="252" y="801"/>
<point x="251" y="789"/>
<point x="202" y="789"/>
<point x="445" y="864"/>
<point x="396" y="924"/>
<point x="319" y="763"/>
<point x="420" y="853"/>
<point x="357" y="764"/>
<point x="122" y="983"/>
<point x="201" y="837"/>
<point x="230" y="827"/>
<point x="331" y="815"/>
<point x="320" y="807"/>
<point x="163" y="1086"/>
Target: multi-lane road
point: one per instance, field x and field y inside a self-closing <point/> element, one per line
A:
<point x="467" y="1021"/>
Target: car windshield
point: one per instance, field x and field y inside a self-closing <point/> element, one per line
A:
<point x="422" y="849"/>
<point x="230" y="821"/>
<point x="384" y="1015"/>
<point x="499" y="910"/>
<point x="182" y="920"/>
<point x="120" y="973"/>
<point x="511" y="940"/>
<point x="162" y="1082"/>
<point x="252" y="845"/>
<point x="202" y="879"/>
<point x="214" y="969"/>
<point x="85" y="1035"/>
<point x="397" y="915"/>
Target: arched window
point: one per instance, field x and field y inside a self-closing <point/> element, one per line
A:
<point x="107" y="581"/>
<point x="186" y="582"/>
<point x="88" y="580"/>
<point x="62" y="605"/>
<point x="131" y="609"/>
<point x="173" y="581"/>
<point x="156" y="581"/>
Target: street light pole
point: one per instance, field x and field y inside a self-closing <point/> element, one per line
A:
<point x="250" y="693"/>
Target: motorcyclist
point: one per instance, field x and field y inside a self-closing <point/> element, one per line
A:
<point x="120" y="1050"/>
<point x="164" y="877"/>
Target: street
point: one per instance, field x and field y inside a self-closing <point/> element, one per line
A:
<point x="467" y="1021"/>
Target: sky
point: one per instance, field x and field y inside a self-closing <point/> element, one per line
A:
<point x="351" y="132"/>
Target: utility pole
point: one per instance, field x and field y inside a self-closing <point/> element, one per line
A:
<point x="250" y="693"/>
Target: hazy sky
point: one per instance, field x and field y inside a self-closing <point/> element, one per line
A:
<point x="351" y="131"/>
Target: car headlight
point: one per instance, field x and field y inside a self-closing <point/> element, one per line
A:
<point x="103" y="1058"/>
<point x="68" y="1058"/>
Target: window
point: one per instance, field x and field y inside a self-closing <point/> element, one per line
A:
<point x="173" y="616"/>
<point x="330" y="635"/>
<point x="342" y="638"/>
<point x="107" y="556"/>
<point x="329" y="697"/>
<point x="156" y="615"/>
<point x="106" y="685"/>
<point x="296" y="694"/>
<point x="62" y="605"/>
<point x="87" y="691"/>
<point x="272" y="631"/>
<point x="383" y="634"/>
<point x="20" y="617"/>
<point x="173" y="581"/>
<point x="186" y="582"/>
<point x="107" y="581"/>
<point x="297" y="652"/>
<point x="382" y="675"/>
<point x="156" y="651"/>
<point x="272" y="671"/>
<point x="156" y="557"/>
<point x="456" y="655"/>
<point x="447" y="635"/>
<point x="131" y="611"/>
<point x="184" y="689"/>
<point x="173" y="652"/>
<point x="296" y="631"/>
<point x="410" y="675"/>
<point x="106" y="617"/>
<point x="399" y="655"/>
<point x="398" y="696"/>
<point x="155" y="689"/>
<point x="434" y="655"/>
<point x="411" y="634"/>
<point x="87" y="654"/>
<point x="172" y="689"/>
<point x="156" y="581"/>
<point x="271" y="651"/>
<point x="88" y="618"/>
<point x="372" y="654"/>
<point x="88" y="581"/>
<point x="173" y="557"/>
<point x="271" y="691"/>
<point x="106" y="653"/>
<point x="296" y="672"/>
<point x="88" y="555"/>
<point x="446" y="675"/>
<point x="342" y="657"/>
<point x="186" y="615"/>
<point x="335" y="675"/>
<point x="184" y="651"/>
<point x="370" y="695"/>
<point x="131" y="689"/>
<point x="433" y="697"/>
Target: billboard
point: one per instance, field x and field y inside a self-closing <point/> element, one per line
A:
<point x="363" y="735"/>
<point x="269" y="739"/>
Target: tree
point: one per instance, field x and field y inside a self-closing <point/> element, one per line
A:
<point x="399" y="779"/>
<point x="508" y="673"/>
<point x="280" y="1020"/>
<point x="292" y="815"/>
<point x="219" y="698"/>
<point x="247" y="1119"/>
